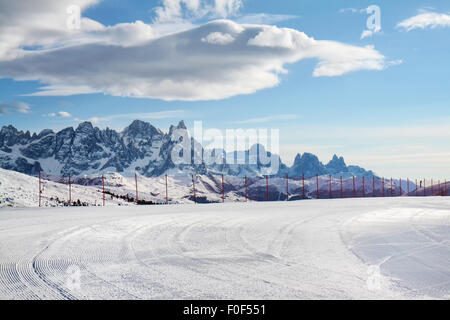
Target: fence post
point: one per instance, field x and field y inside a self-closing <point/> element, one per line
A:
<point x="373" y="186"/>
<point x="303" y="186"/>
<point x="354" y="187"/>
<point x="317" y="186"/>
<point x="267" y="188"/>
<point x="223" y="190"/>
<point x="70" y="192"/>
<point x="392" y="190"/>
<point x="287" y="187"/>
<point x="40" y="189"/>
<point x="342" y="189"/>
<point x="246" y="199"/>
<point x="331" y="194"/>
<point x="193" y="185"/>
<point x="363" y="187"/>
<point x="103" y="186"/>
<point x="136" y="182"/>
<point x="167" y="192"/>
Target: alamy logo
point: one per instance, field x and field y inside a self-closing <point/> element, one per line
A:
<point x="236" y="146"/>
<point x="373" y="23"/>
<point x="73" y="278"/>
<point x="73" y="21"/>
<point x="373" y="278"/>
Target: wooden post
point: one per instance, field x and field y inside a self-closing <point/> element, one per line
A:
<point x="354" y="187"/>
<point x="136" y="182"/>
<point x="167" y="192"/>
<point x="40" y="189"/>
<point x="392" y="190"/>
<point x="246" y="199"/>
<point x="317" y="186"/>
<point x="223" y="190"/>
<point x="363" y="188"/>
<point x="287" y="187"/>
<point x="303" y="184"/>
<point x="331" y="194"/>
<point x="70" y="191"/>
<point x="373" y="186"/>
<point x="103" y="185"/>
<point x="193" y="184"/>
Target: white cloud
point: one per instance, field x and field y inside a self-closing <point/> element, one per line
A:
<point x="425" y="20"/>
<point x="336" y="59"/>
<point x="39" y="23"/>
<point x="278" y="38"/>
<point x="60" y="114"/>
<point x="351" y="10"/>
<point x="136" y="59"/>
<point x="264" y="18"/>
<point x="218" y="38"/>
<point x="179" y="10"/>
<point x="170" y="114"/>
<point x="279" y="117"/>
<point x="366" y="34"/>
<point x="61" y="90"/>
<point x="13" y="107"/>
<point x="194" y="71"/>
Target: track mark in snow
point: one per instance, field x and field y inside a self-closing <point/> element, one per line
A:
<point x="418" y="265"/>
<point x="219" y="251"/>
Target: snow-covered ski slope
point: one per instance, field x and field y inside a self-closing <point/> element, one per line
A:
<point x="278" y="250"/>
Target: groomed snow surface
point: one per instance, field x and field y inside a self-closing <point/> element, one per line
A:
<point x="312" y="249"/>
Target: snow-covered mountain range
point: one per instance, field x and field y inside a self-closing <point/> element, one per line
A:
<point x="141" y="148"/>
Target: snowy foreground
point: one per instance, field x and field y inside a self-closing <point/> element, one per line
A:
<point x="331" y="249"/>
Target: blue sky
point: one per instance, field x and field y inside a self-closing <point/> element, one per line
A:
<point x="394" y="119"/>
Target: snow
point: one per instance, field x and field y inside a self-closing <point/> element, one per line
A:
<point x="274" y="250"/>
<point x="20" y="190"/>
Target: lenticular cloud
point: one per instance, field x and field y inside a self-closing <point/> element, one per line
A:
<point x="192" y="65"/>
<point x="171" y="61"/>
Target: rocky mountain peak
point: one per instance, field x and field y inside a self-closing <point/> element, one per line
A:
<point x="44" y="133"/>
<point x="181" y="126"/>
<point x="85" y="126"/>
<point x="141" y="128"/>
<point x="139" y="148"/>
<point x="337" y="164"/>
